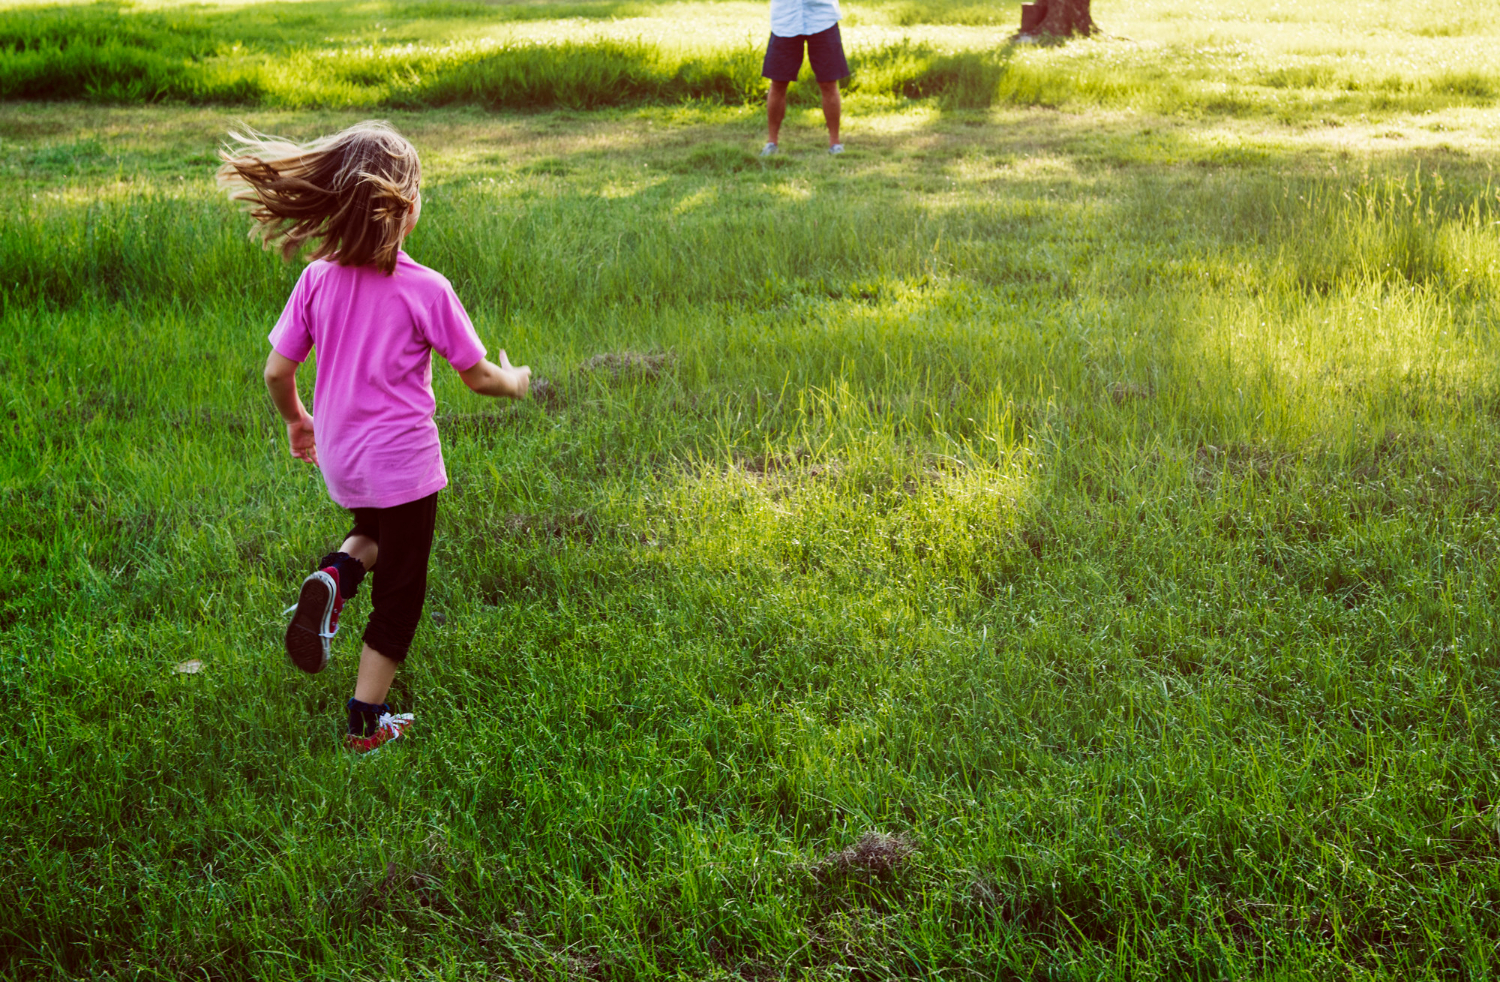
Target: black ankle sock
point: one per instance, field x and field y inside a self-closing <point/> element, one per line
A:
<point x="351" y="571"/>
<point x="364" y="717"/>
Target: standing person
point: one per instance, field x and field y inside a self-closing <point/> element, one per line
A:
<point x="375" y="316"/>
<point x="795" y="25"/>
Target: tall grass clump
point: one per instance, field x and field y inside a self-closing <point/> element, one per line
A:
<point x="99" y="54"/>
<point x="957" y="12"/>
<point x="151" y="247"/>
<point x="1415" y="231"/>
<point x="585" y="76"/>
<point x="959" y="79"/>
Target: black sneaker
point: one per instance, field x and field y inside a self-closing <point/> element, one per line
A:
<point x="316" y="620"/>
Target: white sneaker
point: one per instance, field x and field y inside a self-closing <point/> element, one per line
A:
<point x="836" y="149"/>
<point x="769" y="150"/>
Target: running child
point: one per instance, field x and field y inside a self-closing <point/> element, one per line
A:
<point x="375" y="316"/>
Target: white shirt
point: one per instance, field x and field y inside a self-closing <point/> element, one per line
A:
<point x="791" y="18"/>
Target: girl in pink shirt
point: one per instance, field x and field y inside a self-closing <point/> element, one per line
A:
<point x="375" y="316"/>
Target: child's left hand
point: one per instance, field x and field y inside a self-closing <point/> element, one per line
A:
<point x="300" y="436"/>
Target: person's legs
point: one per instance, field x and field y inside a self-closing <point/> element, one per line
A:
<point x="782" y="63"/>
<point x="825" y="52"/>
<point x="399" y="592"/>
<point x="832" y="109"/>
<point x="775" y="110"/>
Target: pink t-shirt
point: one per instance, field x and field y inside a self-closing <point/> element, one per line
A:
<point x="373" y="402"/>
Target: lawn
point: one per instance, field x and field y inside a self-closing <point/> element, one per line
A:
<point x="1056" y="539"/>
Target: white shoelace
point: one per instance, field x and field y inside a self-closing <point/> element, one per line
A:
<point x="398" y="723"/>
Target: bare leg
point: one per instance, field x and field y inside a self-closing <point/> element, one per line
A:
<point x="363" y="548"/>
<point x="775" y="110"/>
<point x="832" y="108"/>
<point x="375" y="674"/>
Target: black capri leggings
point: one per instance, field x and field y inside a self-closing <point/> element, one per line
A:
<point x="404" y="534"/>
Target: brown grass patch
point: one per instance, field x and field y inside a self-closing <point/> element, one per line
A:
<point x="1239" y="460"/>
<point x="474" y="423"/>
<point x="566" y="525"/>
<point x="619" y="365"/>
<point x="1123" y="392"/>
<point x="876" y="855"/>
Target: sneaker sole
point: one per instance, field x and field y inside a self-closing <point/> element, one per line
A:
<point x="305" y="644"/>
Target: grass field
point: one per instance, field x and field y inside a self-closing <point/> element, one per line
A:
<point x="1057" y="539"/>
<point x="1296" y="62"/>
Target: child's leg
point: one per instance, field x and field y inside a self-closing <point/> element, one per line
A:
<point x="361" y="547"/>
<point x="323" y="593"/>
<point x="376" y="672"/>
<point x="399" y="592"/>
<point x="400" y="582"/>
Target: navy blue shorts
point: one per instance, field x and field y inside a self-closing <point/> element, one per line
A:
<point x="825" y="52"/>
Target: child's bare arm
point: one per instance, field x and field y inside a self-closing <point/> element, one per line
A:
<point x="488" y="379"/>
<point x="281" y="383"/>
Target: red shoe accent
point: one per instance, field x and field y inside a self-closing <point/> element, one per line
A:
<point x="390" y="728"/>
<point x="338" y="602"/>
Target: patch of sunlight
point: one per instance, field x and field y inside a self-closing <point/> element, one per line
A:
<point x="978" y="169"/>
<point x="900" y="123"/>
<point x="112" y="191"/>
<point x="1044" y="165"/>
<point x="630" y="187"/>
<point x="716" y="26"/>
<point x="848" y="495"/>
<point x="1309" y="370"/>
<point x="699" y="199"/>
<point x="791" y="190"/>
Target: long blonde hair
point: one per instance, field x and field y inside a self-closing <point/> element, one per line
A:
<point x="351" y="192"/>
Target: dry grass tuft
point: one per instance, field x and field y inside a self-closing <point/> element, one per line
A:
<point x="876" y="854"/>
<point x="629" y="364"/>
<point x="545" y="393"/>
<point x="1238" y="460"/>
<point x="569" y="525"/>
<point x="770" y="463"/>
<point x="1123" y="392"/>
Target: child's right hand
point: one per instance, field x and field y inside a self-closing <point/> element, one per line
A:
<point x="520" y="377"/>
<point x="300" y="436"/>
<point x="488" y="379"/>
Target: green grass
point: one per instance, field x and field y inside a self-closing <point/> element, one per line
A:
<point x="1221" y="59"/>
<point x="1100" y="505"/>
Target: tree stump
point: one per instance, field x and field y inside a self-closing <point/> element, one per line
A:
<point x="1056" y="17"/>
<point x="1032" y="15"/>
<point x="1066" y="17"/>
